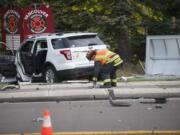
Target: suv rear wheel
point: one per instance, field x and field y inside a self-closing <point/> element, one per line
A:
<point x="50" y="75"/>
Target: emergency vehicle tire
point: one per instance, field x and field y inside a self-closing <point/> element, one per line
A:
<point x="50" y="75"/>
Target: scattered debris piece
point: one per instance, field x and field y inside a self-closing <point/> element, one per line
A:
<point x="114" y="102"/>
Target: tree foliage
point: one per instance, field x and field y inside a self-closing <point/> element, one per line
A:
<point x="123" y="24"/>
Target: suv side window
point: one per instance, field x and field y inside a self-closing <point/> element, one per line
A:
<point x="27" y="46"/>
<point x="40" y="44"/>
<point x="58" y="43"/>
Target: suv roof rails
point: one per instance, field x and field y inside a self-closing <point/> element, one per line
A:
<point x="38" y="35"/>
<point x="66" y="32"/>
<point x="50" y="34"/>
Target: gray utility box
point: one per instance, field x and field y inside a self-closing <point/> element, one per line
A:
<point x="163" y="55"/>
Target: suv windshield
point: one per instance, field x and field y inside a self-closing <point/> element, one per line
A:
<point x="85" y="40"/>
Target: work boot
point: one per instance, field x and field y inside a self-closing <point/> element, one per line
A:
<point x="106" y="85"/>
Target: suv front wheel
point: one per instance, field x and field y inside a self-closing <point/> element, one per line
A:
<point x="50" y="75"/>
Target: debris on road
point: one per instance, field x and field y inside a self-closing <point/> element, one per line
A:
<point x="114" y="102"/>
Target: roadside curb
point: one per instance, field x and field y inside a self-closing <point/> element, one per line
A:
<point x="87" y="94"/>
<point x="82" y="91"/>
<point x="87" y="85"/>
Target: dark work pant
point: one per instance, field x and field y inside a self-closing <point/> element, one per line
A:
<point x="108" y="74"/>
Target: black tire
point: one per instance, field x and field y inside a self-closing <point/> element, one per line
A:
<point x="50" y="75"/>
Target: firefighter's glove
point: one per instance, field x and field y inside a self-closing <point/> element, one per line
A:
<point x="95" y="85"/>
<point x="94" y="79"/>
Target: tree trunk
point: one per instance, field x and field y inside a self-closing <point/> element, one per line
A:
<point x="123" y="47"/>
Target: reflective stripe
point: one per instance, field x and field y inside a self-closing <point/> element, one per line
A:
<point x="47" y="121"/>
<point x="114" y="58"/>
<point x="116" y="64"/>
<point x="107" y="80"/>
<point x="114" y="80"/>
<point x="117" y="60"/>
<point x="94" y="78"/>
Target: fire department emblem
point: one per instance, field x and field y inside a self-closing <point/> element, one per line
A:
<point x="11" y="21"/>
<point x="37" y="23"/>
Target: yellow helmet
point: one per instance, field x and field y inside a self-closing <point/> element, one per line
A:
<point x="90" y="54"/>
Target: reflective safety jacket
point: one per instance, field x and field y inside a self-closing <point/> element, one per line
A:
<point x="106" y="56"/>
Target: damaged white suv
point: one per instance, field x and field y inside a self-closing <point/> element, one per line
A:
<point x="55" y="57"/>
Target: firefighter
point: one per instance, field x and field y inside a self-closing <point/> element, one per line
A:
<point x="105" y="65"/>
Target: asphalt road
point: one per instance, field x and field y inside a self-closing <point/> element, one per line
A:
<point x="90" y="116"/>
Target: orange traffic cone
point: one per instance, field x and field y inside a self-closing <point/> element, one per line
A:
<point x="46" y="125"/>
